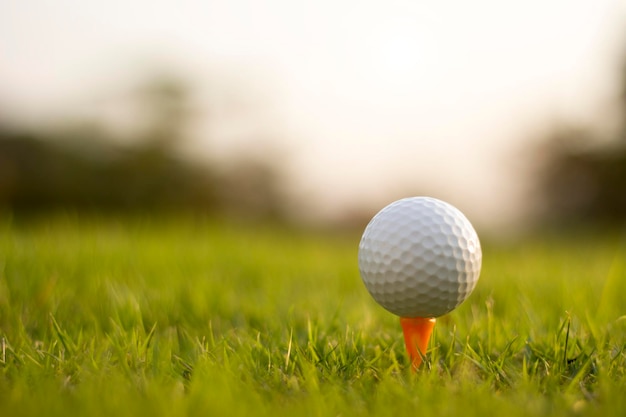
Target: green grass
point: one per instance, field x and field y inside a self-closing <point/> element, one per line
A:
<point x="189" y="317"/>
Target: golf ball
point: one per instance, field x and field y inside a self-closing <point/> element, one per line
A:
<point x="419" y="257"/>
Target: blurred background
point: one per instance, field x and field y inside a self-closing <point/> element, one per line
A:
<point x="316" y="113"/>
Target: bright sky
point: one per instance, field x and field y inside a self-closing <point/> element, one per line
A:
<point x="369" y="98"/>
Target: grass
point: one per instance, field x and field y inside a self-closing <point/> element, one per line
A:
<point x="178" y="317"/>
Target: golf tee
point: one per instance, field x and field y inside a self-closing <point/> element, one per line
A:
<point x="417" y="331"/>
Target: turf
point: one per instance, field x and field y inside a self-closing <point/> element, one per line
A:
<point x="178" y="317"/>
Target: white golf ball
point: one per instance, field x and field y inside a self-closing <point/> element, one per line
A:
<point x="420" y="257"/>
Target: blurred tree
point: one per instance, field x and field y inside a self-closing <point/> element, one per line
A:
<point x="165" y="100"/>
<point x="583" y="179"/>
<point x="248" y="188"/>
<point x="58" y="170"/>
<point x="584" y="185"/>
<point x="84" y="167"/>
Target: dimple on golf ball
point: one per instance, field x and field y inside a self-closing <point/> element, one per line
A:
<point x="420" y="257"/>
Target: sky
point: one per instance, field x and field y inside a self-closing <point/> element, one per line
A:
<point x="368" y="100"/>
